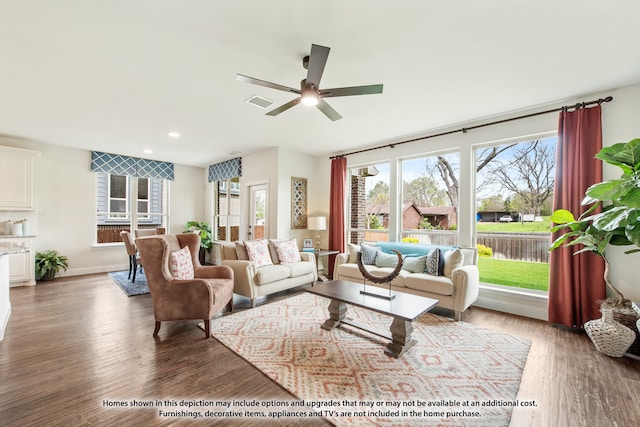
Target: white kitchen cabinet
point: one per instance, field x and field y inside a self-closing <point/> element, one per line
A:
<point x="16" y="178"/>
<point x="21" y="264"/>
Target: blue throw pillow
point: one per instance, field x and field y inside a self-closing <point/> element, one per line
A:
<point x="386" y="260"/>
<point x="368" y="254"/>
<point x="433" y="262"/>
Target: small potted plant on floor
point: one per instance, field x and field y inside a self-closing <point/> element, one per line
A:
<point x="49" y="263"/>
<point x="617" y="224"/>
<point x="206" y="236"/>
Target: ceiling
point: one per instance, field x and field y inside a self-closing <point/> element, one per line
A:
<point x="117" y="75"/>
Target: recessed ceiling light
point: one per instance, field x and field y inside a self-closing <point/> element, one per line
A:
<point x="173" y="134"/>
<point x="147" y="151"/>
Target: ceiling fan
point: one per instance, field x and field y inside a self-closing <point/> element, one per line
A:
<point x="310" y="92"/>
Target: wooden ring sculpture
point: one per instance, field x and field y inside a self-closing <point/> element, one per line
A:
<point x="380" y="279"/>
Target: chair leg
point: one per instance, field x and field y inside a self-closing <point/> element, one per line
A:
<point x="157" y="329"/>
<point x="253" y="303"/>
<point x="135" y="269"/>
<point x="230" y="305"/>
<point x="130" y="267"/>
<point x="207" y="328"/>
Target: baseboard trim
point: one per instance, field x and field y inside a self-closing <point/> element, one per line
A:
<point x="93" y="270"/>
<point x="509" y="300"/>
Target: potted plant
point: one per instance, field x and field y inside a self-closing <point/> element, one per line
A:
<point x="617" y="224"/>
<point x="49" y="263"/>
<point x="206" y="236"/>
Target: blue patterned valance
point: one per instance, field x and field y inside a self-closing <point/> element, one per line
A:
<point x="116" y="164"/>
<point x="225" y="170"/>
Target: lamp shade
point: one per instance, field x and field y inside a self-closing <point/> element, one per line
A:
<point x="317" y="223"/>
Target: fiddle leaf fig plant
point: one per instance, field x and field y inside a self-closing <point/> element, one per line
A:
<point x="618" y="223"/>
<point x="204" y="229"/>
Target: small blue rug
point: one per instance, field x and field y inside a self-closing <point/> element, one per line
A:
<point x="140" y="287"/>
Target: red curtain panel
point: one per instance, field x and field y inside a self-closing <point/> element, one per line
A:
<point x="576" y="282"/>
<point x="337" y="199"/>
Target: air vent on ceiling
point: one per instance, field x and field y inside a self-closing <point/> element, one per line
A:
<point x="259" y="101"/>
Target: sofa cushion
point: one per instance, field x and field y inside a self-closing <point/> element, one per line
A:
<point x="271" y="273"/>
<point x="368" y="254"/>
<point x="287" y="250"/>
<point x="452" y="260"/>
<point x="426" y="282"/>
<point x="397" y="281"/>
<point x="386" y="260"/>
<point x="415" y="264"/>
<point x="297" y="269"/>
<point x="181" y="264"/>
<point x="258" y="252"/>
<point x="241" y="251"/>
<point x="433" y="261"/>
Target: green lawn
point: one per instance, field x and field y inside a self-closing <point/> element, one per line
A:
<point x="521" y="274"/>
<point x="515" y="227"/>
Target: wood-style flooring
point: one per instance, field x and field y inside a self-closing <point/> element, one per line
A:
<point x="75" y="345"/>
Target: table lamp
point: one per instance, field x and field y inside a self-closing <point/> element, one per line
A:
<point x="317" y="223"/>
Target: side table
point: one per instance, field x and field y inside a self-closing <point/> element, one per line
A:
<point x="319" y="265"/>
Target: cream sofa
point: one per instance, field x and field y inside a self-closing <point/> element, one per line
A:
<point x="456" y="288"/>
<point x="253" y="282"/>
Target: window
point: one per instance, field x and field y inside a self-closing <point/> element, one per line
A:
<point x="227" y="209"/>
<point x="116" y="197"/>
<point x="370" y="205"/>
<point x="430" y="188"/>
<point x="514" y="191"/>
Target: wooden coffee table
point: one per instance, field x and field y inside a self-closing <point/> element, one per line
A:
<point x="404" y="308"/>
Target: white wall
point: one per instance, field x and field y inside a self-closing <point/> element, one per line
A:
<point x="65" y="215"/>
<point x="620" y="124"/>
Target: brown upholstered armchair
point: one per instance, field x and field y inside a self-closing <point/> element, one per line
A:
<point x="175" y="299"/>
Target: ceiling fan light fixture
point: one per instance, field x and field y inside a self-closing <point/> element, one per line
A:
<point x="309" y="97"/>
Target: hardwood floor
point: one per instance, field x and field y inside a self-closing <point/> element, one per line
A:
<point x="76" y="345"/>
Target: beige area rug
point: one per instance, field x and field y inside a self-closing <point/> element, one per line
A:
<point x="456" y="375"/>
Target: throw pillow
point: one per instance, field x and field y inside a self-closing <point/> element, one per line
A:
<point x="415" y="264"/>
<point x="287" y="250"/>
<point x="241" y="251"/>
<point x="258" y="252"/>
<point x="181" y="264"/>
<point x="353" y="250"/>
<point x="386" y="260"/>
<point x="368" y="254"/>
<point x="432" y="261"/>
<point x="452" y="260"/>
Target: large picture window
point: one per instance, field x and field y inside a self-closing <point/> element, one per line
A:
<point x="514" y="191"/>
<point x="370" y="205"/>
<point x="430" y="193"/>
<point x="227" y="209"/>
<point x="126" y="203"/>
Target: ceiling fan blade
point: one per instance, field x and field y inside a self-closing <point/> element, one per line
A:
<point x="284" y="107"/>
<point x="328" y="110"/>
<point x="349" y="91"/>
<point x="317" y="60"/>
<point x="247" y="79"/>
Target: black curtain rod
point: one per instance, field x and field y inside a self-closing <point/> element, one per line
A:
<point x="466" y="129"/>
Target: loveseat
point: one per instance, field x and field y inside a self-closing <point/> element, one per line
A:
<point x="446" y="273"/>
<point x="263" y="267"/>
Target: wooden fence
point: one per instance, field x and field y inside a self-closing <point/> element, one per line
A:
<point x="532" y="247"/>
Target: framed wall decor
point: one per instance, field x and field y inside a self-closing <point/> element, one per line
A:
<point x="298" y="203"/>
<point x="307" y="243"/>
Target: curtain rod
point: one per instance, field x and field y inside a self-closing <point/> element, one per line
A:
<point x="466" y="129"/>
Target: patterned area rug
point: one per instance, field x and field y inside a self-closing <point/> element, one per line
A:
<point x="456" y="375"/>
<point x="140" y="287"/>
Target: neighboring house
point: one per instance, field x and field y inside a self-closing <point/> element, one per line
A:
<point x="442" y="217"/>
<point x="412" y="215"/>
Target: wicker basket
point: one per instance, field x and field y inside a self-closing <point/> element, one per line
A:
<point x="609" y="337"/>
<point x="629" y="318"/>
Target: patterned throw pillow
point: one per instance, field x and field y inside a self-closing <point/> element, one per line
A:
<point x="287" y="250"/>
<point x="368" y="254"/>
<point x="181" y="264"/>
<point x="258" y="252"/>
<point x="432" y="262"/>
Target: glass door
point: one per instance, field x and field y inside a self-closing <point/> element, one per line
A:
<point x="257" y="212"/>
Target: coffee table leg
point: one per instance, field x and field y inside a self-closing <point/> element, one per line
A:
<point x="401" y="331"/>
<point x="337" y="313"/>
